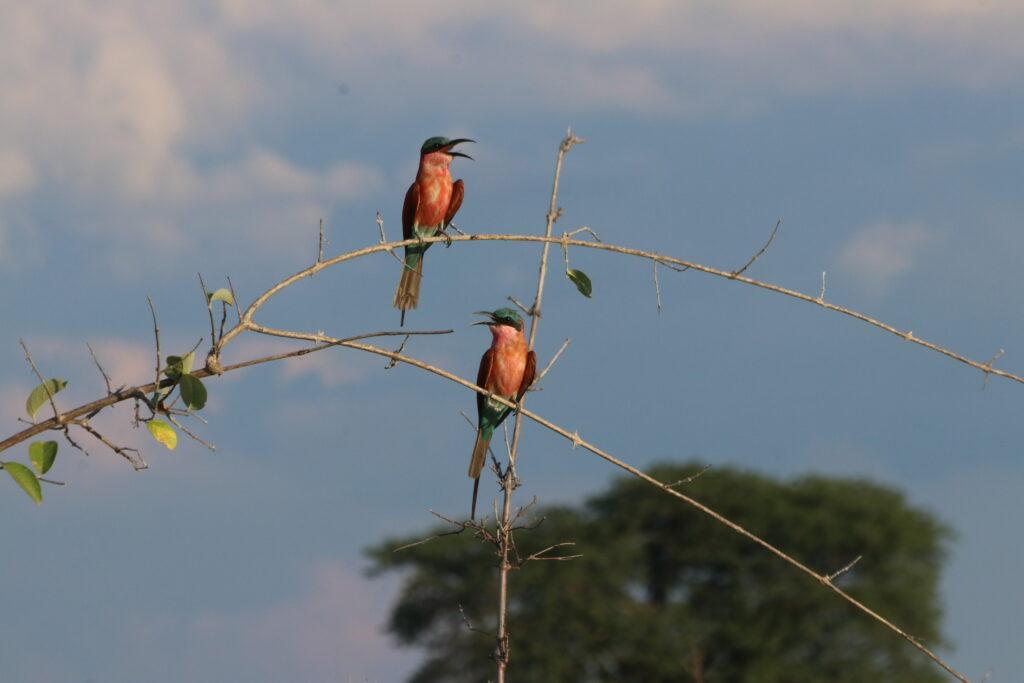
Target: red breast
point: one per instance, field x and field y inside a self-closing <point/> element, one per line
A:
<point x="434" y="182"/>
<point x="508" y="360"/>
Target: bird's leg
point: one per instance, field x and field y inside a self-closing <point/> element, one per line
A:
<point x="447" y="237"/>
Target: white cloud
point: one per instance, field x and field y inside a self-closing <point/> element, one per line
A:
<point x="331" y="369"/>
<point x="880" y="252"/>
<point x="103" y="107"/>
<point x="106" y="109"/>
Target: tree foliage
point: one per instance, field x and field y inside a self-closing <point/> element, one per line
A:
<point x="664" y="593"/>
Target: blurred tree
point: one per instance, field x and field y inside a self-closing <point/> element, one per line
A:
<point x="663" y="593"/>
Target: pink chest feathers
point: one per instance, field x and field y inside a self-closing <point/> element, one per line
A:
<point x="435" y="194"/>
<point x="508" y="360"/>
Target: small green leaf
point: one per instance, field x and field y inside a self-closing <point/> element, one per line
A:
<point x="38" y="396"/>
<point x="42" y="454"/>
<point x="179" y="365"/>
<point x="163" y="433"/>
<point x="192" y="392"/>
<point x="582" y="282"/>
<point x="24" y="478"/>
<point x="221" y="294"/>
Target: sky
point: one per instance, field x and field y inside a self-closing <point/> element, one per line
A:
<point x="144" y="142"/>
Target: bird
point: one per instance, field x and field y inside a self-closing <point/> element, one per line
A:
<point x="507" y="369"/>
<point x="430" y="205"/>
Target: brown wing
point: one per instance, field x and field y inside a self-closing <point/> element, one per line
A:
<point x="458" y="189"/>
<point x="528" y="374"/>
<point x="412" y="200"/>
<point x="482" y="377"/>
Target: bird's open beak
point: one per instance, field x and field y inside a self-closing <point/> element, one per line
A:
<point x="489" y="315"/>
<point x="448" y="148"/>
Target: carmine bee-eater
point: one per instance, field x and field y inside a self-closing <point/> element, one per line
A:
<point x="506" y="370"/>
<point x="430" y="205"/>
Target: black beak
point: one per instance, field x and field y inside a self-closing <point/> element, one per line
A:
<point x="490" y="315"/>
<point x="448" y="148"/>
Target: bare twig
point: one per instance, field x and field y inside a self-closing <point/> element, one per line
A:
<point x="519" y="305"/>
<point x="762" y="250"/>
<point x="208" y="302"/>
<point x="132" y="455"/>
<point x="835" y="575"/>
<point x="462" y="527"/>
<point x="234" y="297"/>
<point x="540" y="554"/>
<point x="687" y="480"/>
<point x="106" y="377"/>
<point x="551" y="362"/>
<point x="74" y="444"/>
<point x="657" y="287"/>
<point x="465" y="619"/>
<point x="190" y="434"/>
<point x="320" y="243"/>
<point x="988" y="364"/>
<point x="156" y="336"/>
<point x="401" y="346"/>
<point x="384" y="240"/>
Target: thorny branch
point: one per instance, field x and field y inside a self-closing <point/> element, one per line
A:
<point x="139" y="392"/>
<point x="509" y="480"/>
<point x="671" y="262"/>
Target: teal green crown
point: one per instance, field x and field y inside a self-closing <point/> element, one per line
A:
<point x="508" y="316"/>
<point x="433" y="144"/>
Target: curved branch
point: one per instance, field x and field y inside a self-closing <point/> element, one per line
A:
<point x="140" y="391"/>
<point x="908" y="335"/>
<point x="824" y="579"/>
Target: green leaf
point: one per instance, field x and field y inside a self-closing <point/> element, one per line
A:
<point x="192" y="392"/>
<point x="582" y="282"/>
<point x="179" y="365"/>
<point x="221" y="294"/>
<point x="38" y="396"/>
<point x="24" y="478"/>
<point x="42" y="454"/>
<point x="163" y="433"/>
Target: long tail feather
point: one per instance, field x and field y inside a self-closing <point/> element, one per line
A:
<point x="472" y="508"/>
<point x="408" y="293"/>
<point x="476" y="463"/>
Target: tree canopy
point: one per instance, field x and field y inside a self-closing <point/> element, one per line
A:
<point x="663" y="593"/>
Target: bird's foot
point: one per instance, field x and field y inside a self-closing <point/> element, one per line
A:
<point x="447" y="239"/>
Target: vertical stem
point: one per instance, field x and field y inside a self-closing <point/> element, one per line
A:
<point x="509" y="481"/>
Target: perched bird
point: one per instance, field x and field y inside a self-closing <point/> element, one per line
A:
<point x="430" y="205"/>
<point x="507" y="370"/>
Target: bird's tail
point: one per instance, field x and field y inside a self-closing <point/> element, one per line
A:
<point x="476" y="463"/>
<point x="408" y="293"/>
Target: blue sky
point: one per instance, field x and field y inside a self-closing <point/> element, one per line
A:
<point x="143" y="143"/>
